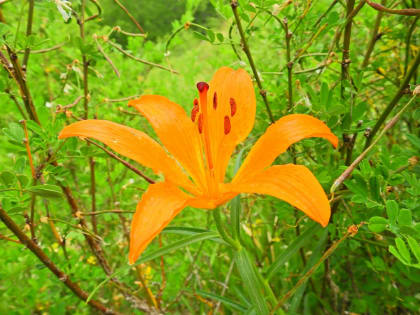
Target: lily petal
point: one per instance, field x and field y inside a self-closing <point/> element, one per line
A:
<point x="233" y="93"/>
<point x="278" y="137"/>
<point x="292" y="183"/>
<point x="131" y="143"/>
<point x="175" y="130"/>
<point x="158" y="206"/>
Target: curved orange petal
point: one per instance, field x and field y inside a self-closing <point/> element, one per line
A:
<point x="157" y="207"/>
<point x="292" y="183"/>
<point x="133" y="144"/>
<point x="175" y="130"/>
<point x="233" y="93"/>
<point x="278" y="137"/>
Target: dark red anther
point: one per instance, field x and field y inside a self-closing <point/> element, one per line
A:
<point x="202" y="86"/>
<point x="232" y="107"/>
<point x="194" y="112"/>
<point x="200" y="123"/>
<point x="227" y="125"/>
<point x="195" y="102"/>
<point x="214" y="100"/>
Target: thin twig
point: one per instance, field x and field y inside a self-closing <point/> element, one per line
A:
<point x="28" y="32"/>
<point x="408" y="12"/>
<point x="117" y="100"/>
<point x="345" y="62"/>
<point x="234" y="5"/>
<point x="373" y="37"/>
<point x="36" y="250"/>
<point x="129" y="15"/>
<point x="125" y="163"/>
<point x="16" y="72"/>
<point x="288" y="37"/>
<point x="351" y="231"/>
<point x="3" y="237"/>
<point x="394" y="101"/>
<point x="141" y="60"/>
<point x="349" y="170"/>
<point x="95" y="37"/>
<point x="106" y="211"/>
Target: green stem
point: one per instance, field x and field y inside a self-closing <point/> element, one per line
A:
<point x="220" y="227"/>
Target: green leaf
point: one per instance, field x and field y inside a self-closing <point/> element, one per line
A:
<point x="47" y="191"/>
<point x="183" y="230"/>
<point x="225" y="301"/>
<point x="249" y="277"/>
<point x="23" y="179"/>
<point x="415" y="141"/>
<point x="200" y="36"/>
<point x="177" y="245"/>
<point x="392" y="211"/>
<point x="402" y="249"/>
<point x="220" y="37"/>
<point x="325" y="95"/>
<point x="293" y="248"/>
<point x="316" y="254"/>
<point x="211" y="36"/>
<point x="395" y="252"/>
<point x="7" y="178"/>
<point x="15" y="133"/>
<point x="377" y="224"/>
<point x="415" y="247"/>
<point x="404" y="218"/>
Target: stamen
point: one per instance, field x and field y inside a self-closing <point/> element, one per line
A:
<point x="194" y="112"/>
<point x="201" y="86"/>
<point x="232" y="107"/>
<point x="195" y="102"/>
<point x="200" y="123"/>
<point x="227" y="125"/>
<point x="214" y="100"/>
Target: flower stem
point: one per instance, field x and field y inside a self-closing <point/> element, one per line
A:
<point x="220" y="227"/>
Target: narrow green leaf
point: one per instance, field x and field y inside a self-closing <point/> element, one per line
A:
<point x="211" y="36"/>
<point x="316" y="255"/>
<point x="414" y="246"/>
<point x="181" y="230"/>
<point x="224" y="300"/>
<point x="249" y="277"/>
<point x="293" y="248"/>
<point x="47" y="191"/>
<point x="395" y="252"/>
<point x="392" y="210"/>
<point x="177" y="245"/>
<point x="402" y="249"/>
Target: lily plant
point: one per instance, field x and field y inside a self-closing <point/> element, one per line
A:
<point x="195" y="151"/>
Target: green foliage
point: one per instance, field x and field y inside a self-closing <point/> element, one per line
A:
<point x="375" y="272"/>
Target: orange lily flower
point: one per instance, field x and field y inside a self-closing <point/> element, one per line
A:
<point x="200" y="148"/>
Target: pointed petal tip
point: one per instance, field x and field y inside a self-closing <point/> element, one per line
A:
<point x="334" y="140"/>
<point x="64" y="133"/>
<point x="131" y="259"/>
<point x="324" y="223"/>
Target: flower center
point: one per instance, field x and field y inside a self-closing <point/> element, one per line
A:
<point x="201" y="114"/>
